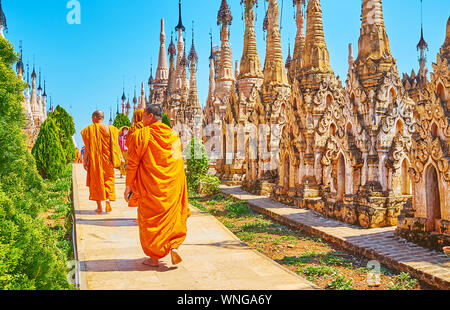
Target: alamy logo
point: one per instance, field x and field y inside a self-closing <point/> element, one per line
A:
<point x="74" y="15"/>
<point x="371" y="11"/>
<point x="374" y="275"/>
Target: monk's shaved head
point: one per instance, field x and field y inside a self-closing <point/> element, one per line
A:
<point x="154" y="109"/>
<point x="98" y="115"/>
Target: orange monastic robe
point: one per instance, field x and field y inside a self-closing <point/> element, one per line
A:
<point x="137" y="124"/>
<point x="101" y="146"/>
<point x="156" y="172"/>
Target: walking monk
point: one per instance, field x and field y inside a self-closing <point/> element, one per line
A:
<point x="156" y="173"/>
<point x="101" y="155"/>
<point x="136" y="125"/>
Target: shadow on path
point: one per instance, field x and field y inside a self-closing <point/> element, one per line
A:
<point x="111" y="265"/>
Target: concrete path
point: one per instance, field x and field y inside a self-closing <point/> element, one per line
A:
<point x="380" y="244"/>
<point x="111" y="257"/>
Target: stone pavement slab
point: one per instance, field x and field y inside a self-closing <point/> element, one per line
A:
<point x="110" y="254"/>
<point x="380" y="244"/>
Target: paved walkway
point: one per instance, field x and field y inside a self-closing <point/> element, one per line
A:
<point x="380" y="244"/>
<point x="111" y="257"/>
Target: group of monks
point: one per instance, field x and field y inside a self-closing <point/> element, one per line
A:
<point x="155" y="178"/>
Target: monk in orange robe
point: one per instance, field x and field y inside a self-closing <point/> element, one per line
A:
<point x="101" y="156"/>
<point x="156" y="173"/>
<point x="136" y="125"/>
<point x="77" y="155"/>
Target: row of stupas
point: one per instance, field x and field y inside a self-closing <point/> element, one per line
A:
<point x="358" y="152"/>
<point x="35" y="99"/>
<point x="171" y="86"/>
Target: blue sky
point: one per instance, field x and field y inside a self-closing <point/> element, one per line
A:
<point x="85" y="64"/>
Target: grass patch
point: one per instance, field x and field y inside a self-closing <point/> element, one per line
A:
<point x="340" y="284"/>
<point x="314" y="272"/>
<point x="305" y="258"/>
<point x="403" y="281"/>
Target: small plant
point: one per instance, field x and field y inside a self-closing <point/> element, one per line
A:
<point x="403" y="281"/>
<point x="339" y="283"/>
<point x="299" y="260"/>
<point x="237" y="209"/>
<point x="314" y="272"/>
<point x="245" y="236"/>
<point x="258" y="226"/>
<point x="332" y="260"/>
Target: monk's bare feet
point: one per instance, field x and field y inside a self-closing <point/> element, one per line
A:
<point x="176" y="258"/>
<point x="151" y="262"/>
<point x="108" y="207"/>
<point x="99" y="211"/>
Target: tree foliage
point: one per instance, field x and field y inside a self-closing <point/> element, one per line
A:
<point x="29" y="258"/>
<point x="66" y="130"/>
<point x="48" y="151"/>
<point x="166" y="120"/>
<point x="121" y="121"/>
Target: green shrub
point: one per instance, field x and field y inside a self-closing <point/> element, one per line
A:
<point x="66" y="130"/>
<point x="121" y="121"/>
<point x="29" y="256"/>
<point x="166" y="120"/>
<point x="48" y="151"/>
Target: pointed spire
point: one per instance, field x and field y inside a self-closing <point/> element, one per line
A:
<point x="274" y="68"/>
<point x="445" y="49"/>
<point x="151" y="79"/>
<point x="225" y="18"/>
<point x="193" y="57"/>
<point x="19" y="65"/>
<point x="162" y="71"/>
<point x="373" y="45"/>
<point x="316" y="55"/>
<point x="3" y="25"/>
<point x="180" y="23"/>
<point x="300" y="40"/>
<point x="44" y="94"/>
<point x="211" y="56"/>
<point x="39" y="88"/>
<point x="250" y="63"/>
<point x="110" y="116"/>
<point x="351" y="58"/>
<point x="135" y="96"/>
<point x="172" y="49"/>
<point x="288" y="59"/>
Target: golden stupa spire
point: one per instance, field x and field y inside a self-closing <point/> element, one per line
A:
<point x="373" y="44"/>
<point x="299" y="40"/>
<point x="224" y="18"/>
<point x="250" y="62"/>
<point x="445" y="49"/>
<point x="316" y="56"/>
<point x="274" y="68"/>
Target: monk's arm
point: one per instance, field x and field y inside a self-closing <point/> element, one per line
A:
<point x="84" y="135"/>
<point x="132" y="159"/>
